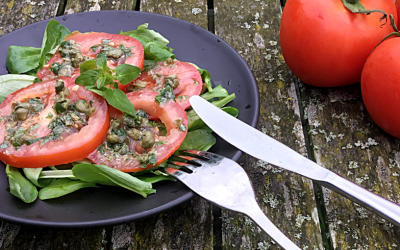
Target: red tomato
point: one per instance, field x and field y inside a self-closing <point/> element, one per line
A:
<point x="73" y="144"/>
<point x="380" y="86"/>
<point x="190" y="82"/>
<point x="170" y="114"/>
<point x="87" y="40"/>
<point x="325" y="44"/>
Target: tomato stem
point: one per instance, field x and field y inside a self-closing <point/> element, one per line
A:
<point x="396" y="33"/>
<point x="355" y="6"/>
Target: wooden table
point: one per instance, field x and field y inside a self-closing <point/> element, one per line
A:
<point x="330" y="126"/>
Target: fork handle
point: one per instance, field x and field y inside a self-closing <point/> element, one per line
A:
<point x="262" y="221"/>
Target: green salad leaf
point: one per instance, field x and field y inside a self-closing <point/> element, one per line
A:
<point x="206" y="77"/>
<point x="154" y="44"/>
<point x="200" y="139"/>
<point x="33" y="175"/>
<point x="63" y="187"/>
<point x="19" y="186"/>
<point x="11" y="83"/>
<point x="22" y="59"/>
<point x="105" y="175"/>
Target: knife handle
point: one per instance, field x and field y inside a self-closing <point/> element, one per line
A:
<point x="385" y="208"/>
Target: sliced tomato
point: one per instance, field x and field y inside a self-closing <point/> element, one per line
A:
<point x="87" y="40"/>
<point x="75" y="144"/>
<point x="170" y="114"/>
<point x="190" y="82"/>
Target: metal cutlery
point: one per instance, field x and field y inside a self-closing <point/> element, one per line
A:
<point x="225" y="183"/>
<point x="261" y="146"/>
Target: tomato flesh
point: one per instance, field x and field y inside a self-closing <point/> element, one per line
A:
<point x="168" y="113"/>
<point x="190" y="82"/>
<point x="325" y="44"/>
<point x="71" y="146"/>
<point x="86" y="41"/>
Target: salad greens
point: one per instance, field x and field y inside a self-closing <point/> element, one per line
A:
<point x="96" y="76"/>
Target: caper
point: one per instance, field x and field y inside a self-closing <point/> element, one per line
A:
<point x="113" y="139"/>
<point x="75" y="117"/>
<point x="55" y="67"/>
<point x="23" y="105"/>
<point x="129" y="121"/>
<point x="124" y="150"/>
<point x="143" y="121"/>
<point x="21" y="114"/>
<point x="142" y="157"/>
<point x="148" y="140"/>
<point x="66" y="104"/>
<point x="115" y="53"/>
<point x="24" y="138"/>
<point x="66" y="70"/>
<point x="169" y="60"/>
<point x="59" y="86"/>
<point x="81" y="106"/>
<point x="115" y="123"/>
<point x="172" y="80"/>
<point x="127" y="141"/>
<point x="66" y="92"/>
<point x="90" y="111"/>
<point x="135" y="134"/>
<point x="11" y="125"/>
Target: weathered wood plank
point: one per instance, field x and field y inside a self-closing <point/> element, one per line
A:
<point x="74" y="6"/>
<point x="194" y="11"/>
<point x="16" y="14"/>
<point x="346" y="141"/>
<point x="13" y="237"/>
<point x="252" y="28"/>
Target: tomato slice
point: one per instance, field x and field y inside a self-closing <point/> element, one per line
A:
<point x="138" y="158"/>
<point x="189" y="80"/>
<point x="90" y="45"/>
<point x="39" y="137"/>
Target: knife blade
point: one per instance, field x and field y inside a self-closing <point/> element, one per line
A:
<point x="254" y="142"/>
<point x="263" y="147"/>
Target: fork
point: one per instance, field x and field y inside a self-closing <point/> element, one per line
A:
<point x="223" y="182"/>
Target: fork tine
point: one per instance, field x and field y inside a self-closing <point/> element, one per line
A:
<point x="183" y="164"/>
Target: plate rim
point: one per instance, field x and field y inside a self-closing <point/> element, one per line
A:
<point x="164" y="207"/>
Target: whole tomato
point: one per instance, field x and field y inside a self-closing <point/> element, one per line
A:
<point x="325" y="44"/>
<point x="380" y="86"/>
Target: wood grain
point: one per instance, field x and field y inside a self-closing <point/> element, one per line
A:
<point x="16" y="14"/>
<point x="346" y="140"/>
<point x="194" y="11"/>
<point x="75" y="6"/>
<point x="252" y="28"/>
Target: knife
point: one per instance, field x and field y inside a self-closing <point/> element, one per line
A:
<point x="263" y="147"/>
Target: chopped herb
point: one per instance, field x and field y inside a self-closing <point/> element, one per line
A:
<point x="101" y="149"/>
<point x="50" y="115"/>
<point x="55" y="67"/>
<point x="182" y="127"/>
<point x="160" y="143"/>
<point x="31" y="141"/>
<point x="59" y="108"/>
<point x="165" y="94"/>
<point x="94" y="48"/>
<point x="34" y="127"/>
<point x="183" y="97"/>
<point x="4" y="145"/>
<point x="121" y="132"/>
<point x="101" y="54"/>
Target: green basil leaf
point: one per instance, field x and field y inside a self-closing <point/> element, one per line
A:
<point x="88" y="78"/>
<point x="125" y="73"/>
<point x="119" y="100"/>
<point x="22" y="59"/>
<point x="94" y="89"/>
<point x="88" y="65"/>
<point x="101" y="81"/>
<point x="11" y="83"/>
<point x="53" y="36"/>
<point x="102" y="63"/>
<point x="63" y="187"/>
<point x="33" y="175"/>
<point x="19" y="186"/>
<point x="110" y="176"/>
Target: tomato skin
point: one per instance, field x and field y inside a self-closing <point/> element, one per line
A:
<point x="380" y="86"/>
<point x="326" y="45"/>
<point x="72" y="148"/>
<point x="167" y="113"/>
<point x="87" y="40"/>
<point x="190" y="81"/>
